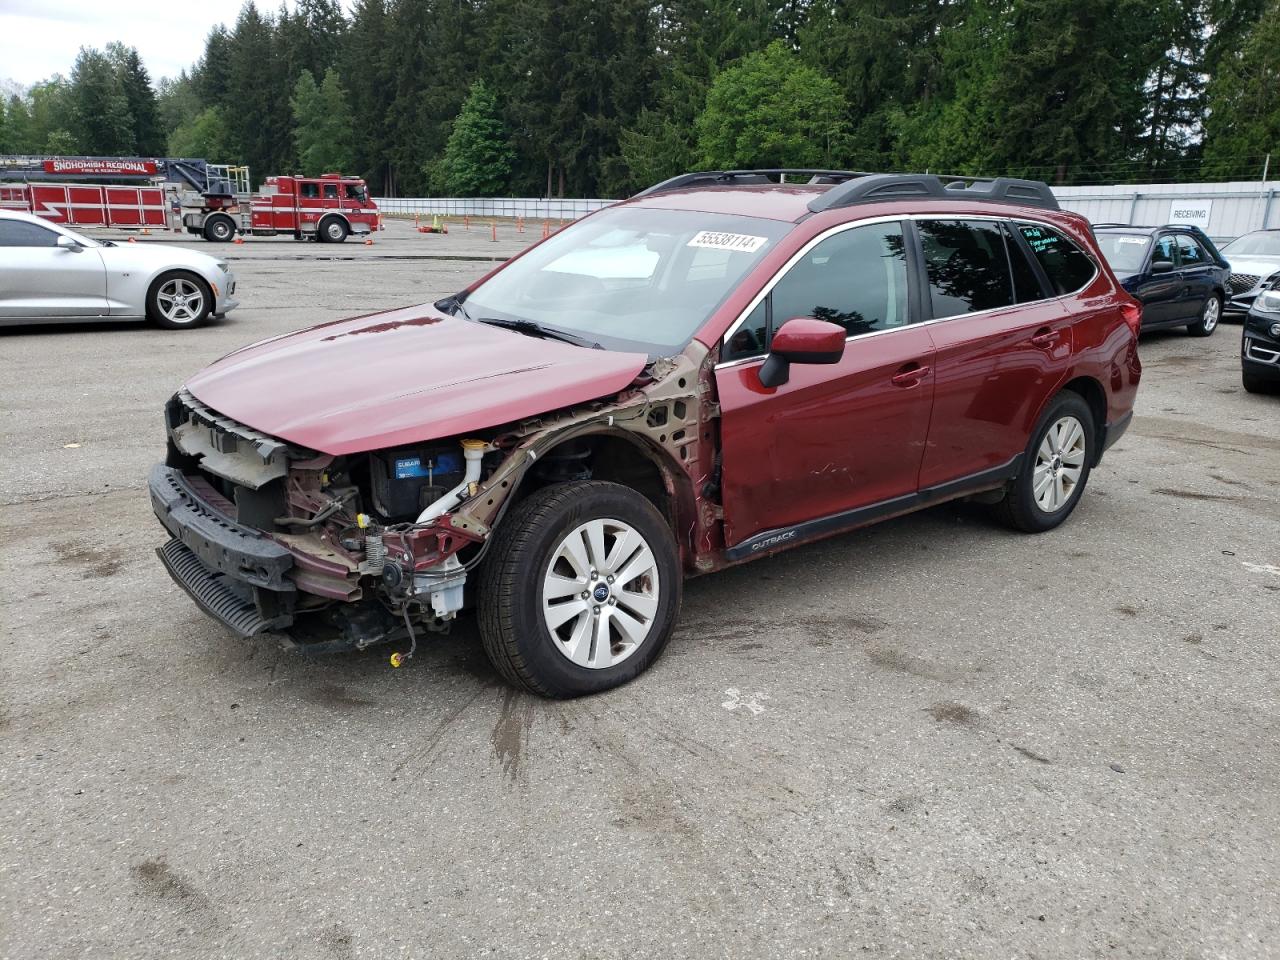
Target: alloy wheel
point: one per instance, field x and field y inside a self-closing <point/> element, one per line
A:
<point x="600" y="593"/>
<point x="1059" y="464"/>
<point x="180" y="301"/>
<point x="1212" y="311"/>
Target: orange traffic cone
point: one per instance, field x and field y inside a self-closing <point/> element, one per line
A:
<point x="368" y="241"/>
<point x="133" y="239"/>
<point x="238" y="240"/>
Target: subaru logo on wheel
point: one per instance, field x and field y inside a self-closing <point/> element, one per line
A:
<point x="601" y="593"/>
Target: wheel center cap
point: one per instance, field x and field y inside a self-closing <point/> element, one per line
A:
<point x="601" y="592"/>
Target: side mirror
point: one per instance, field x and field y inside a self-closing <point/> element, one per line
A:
<point x="1161" y="266"/>
<point x="801" y="340"/>
<point x="66" y="243"/>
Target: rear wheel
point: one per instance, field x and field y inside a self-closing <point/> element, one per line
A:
<point x="179" y="301"/>
<point x="1210" y="314"/>
<point x="580" y="590"/>
<point x="1055" y="467"/>
<point x="219" y="229"/>
<point x="333" y="230"/>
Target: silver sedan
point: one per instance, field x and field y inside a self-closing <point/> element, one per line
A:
<point x="51" y="274"/>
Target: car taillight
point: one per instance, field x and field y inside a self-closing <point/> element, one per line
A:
<point x="1132" y="313"/>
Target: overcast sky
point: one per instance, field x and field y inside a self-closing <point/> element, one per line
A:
<point x="39" y="38"/>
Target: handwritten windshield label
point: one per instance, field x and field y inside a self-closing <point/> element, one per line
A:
<point x="1138" y="240"/>
<point x="737" y="242"/>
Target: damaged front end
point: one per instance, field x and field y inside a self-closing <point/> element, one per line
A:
<point x="345" y="552"/>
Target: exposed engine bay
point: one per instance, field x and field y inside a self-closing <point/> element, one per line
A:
<point x="370" y="548"/>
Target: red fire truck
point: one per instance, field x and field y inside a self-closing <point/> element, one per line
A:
<point x="327" y="208"/>
<point x="88" y="205"/>
<point x="215" y="201"/>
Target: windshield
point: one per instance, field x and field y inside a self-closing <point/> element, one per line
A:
<point x="1264" y="243"/>
<point x="1126" y="252"/>
<point x="630" y="278"/>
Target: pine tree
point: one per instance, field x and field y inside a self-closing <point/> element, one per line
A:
<point x="322" y="124"/>
<point x="369" y="74"/>
<point x="1244" y="104"/>
<point x="257" y="102"/>
<point x="773" y="110"/>
<point x="884" y="56"/>
<point x="695" y="40"/>
<point x="211" y="76"/>
<point x="1050" y="89"/>
<point x="477" y="158"/>
<point x="18" y="120"/>
<point x="104" y="124"/>
<point x="1174" y="102"/>
<point x="148" y="137"/>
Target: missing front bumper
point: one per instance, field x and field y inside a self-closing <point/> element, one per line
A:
<point x="217" y="595"/>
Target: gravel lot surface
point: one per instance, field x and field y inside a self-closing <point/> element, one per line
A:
<point x="932" y="738"/>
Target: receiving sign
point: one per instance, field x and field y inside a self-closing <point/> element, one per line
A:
<point x="1191" y="213"/>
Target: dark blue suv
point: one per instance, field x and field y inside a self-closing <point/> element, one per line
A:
<point x="1176" y="272"/>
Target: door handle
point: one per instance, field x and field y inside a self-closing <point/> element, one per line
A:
<point x="909" y="377"/>
<point x="1045" y="338"/>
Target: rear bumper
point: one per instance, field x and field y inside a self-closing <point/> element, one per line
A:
<point x="235" y="573"/>
<point x="1111" y="432"/>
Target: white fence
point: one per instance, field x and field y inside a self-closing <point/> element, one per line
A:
<point x="1224" y="210"/>
<point x="530" y="209"/>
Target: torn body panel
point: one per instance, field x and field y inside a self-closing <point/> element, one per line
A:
<point x="330" y="513"/>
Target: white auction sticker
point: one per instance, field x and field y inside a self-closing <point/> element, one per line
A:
<point x="740" y="242"/>
<point x="1141" y="240"/>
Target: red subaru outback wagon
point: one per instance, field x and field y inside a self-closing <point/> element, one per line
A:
<point x="727" y="365"/>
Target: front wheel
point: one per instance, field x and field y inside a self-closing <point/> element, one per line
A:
<point x="1055" y="467"/>
<point x="580" y="590"/>
<point x="333" y="230"/>
<point x="179" y="301"/>
<point x="1210" y="314"/>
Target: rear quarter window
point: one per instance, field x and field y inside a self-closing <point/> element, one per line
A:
<point x="1067" y="266"/>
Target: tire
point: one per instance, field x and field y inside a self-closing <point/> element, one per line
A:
<point x="179" y="300"/>
<point x="332" y="230"/>
<point x="538" y="630"/>
<point x="1021" y="508"/>
<point x="1256" y="384"/>
<point x="1210" y="315"/>
<point x="219" y="229"/>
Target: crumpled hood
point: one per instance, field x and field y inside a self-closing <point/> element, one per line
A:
<point x="405" y="376"/>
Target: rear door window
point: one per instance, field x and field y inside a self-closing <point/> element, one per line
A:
<point x="1191" y="253"/>
<point x="1066" y="265"/>
<point x="967" y="266"/>
<point x="1026" y="285"/>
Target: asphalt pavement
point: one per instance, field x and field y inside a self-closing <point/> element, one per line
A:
<point x="931" y="738"/>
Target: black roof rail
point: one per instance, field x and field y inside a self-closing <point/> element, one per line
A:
<point x="729" y="178"/>
<point x="880" y="187"/>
